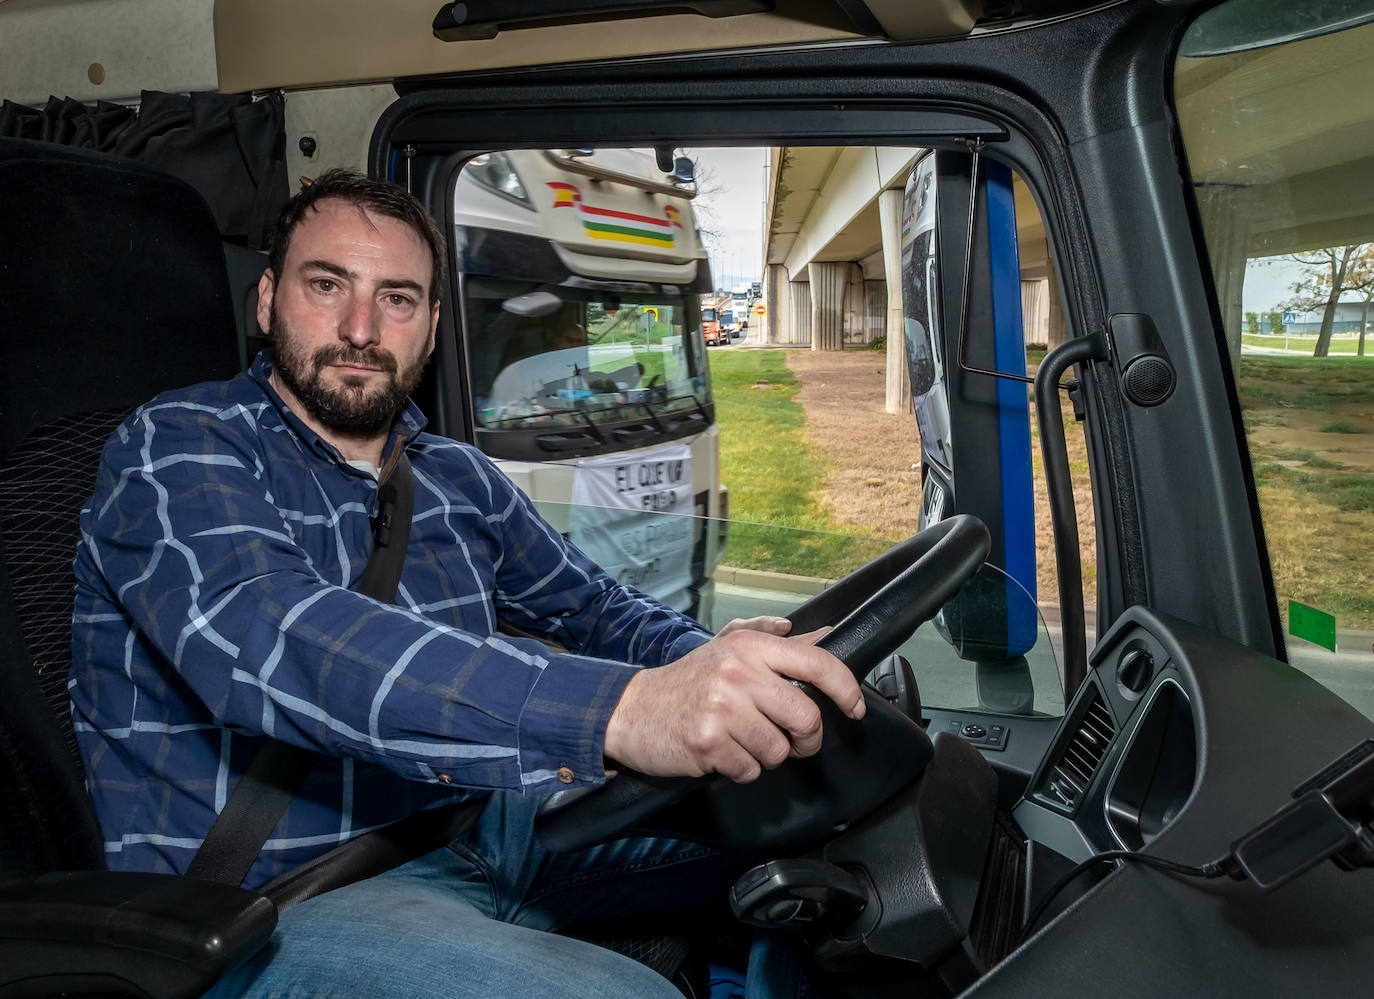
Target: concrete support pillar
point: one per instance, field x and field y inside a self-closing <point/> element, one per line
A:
<point x="1225" y="221"/>
<point x="775" y="298"/>
<point x="853" y="328"/>
<point x="1035" y="299"/>
<point x="898" y="388"/>
<point x="827" y="304"/>
<point x="1056" y="329"/>
<point x="799" y="312"/>
<point x="875" y="311"/>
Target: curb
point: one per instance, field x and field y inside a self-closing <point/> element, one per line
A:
<point x="762" y="579"/>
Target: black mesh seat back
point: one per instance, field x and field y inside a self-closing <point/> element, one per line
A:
<point x="112" y="289"/>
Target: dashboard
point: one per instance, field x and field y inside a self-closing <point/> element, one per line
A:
<point x="1177" y="744"/>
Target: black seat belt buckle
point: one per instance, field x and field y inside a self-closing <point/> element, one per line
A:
<point x="386" y="511"/>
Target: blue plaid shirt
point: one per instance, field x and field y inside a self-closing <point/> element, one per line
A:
<point x="213" y="606"/>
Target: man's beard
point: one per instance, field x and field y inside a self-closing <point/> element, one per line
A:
<point x="352" y="410"/>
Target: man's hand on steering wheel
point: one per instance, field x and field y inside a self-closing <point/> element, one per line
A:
<point x="764" y="622"/>
<point x="729" y="707"/>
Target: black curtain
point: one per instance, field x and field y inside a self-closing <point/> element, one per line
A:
<point x="229" y="147"/>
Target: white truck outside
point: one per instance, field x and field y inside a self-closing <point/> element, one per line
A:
<point x="580" y="276"/>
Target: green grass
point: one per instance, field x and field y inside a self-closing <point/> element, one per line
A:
<point x="1315" y="398"/>
<point x="1307" y="343"/>
<point x="1322" y="380"/>
<point x="1253" y="395"/>
<point x="1350" y="604"/>
<point x="1349" y="492"/>
<point x="1344" y="492"/>
<point x="1339" y="427"/>
<point x="773" y="474"/>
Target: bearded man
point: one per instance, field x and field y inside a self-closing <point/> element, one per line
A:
<point x="216" y="606"/>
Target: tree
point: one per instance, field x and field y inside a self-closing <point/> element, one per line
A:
<point x="1326" y="277"/>
<point x="1360" y="278"/>
<point x="1252" y="323"/>
<point x="1275" y="323"/>
<point x="708" y="184"/>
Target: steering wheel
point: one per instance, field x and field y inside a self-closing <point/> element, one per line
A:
<point x="860" y="763"/>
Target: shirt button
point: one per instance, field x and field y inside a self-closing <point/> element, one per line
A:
<point x="565" y="775"/>
<point x="446" y="778"/>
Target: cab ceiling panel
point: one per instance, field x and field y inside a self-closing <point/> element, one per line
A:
<point x="104" y="49"/>
<point x="314" y="43"/>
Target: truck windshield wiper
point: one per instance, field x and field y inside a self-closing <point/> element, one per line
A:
<point x="648" y="408"/>
<point x="678" y="418"/>
<point x="591" y="424"/>
<point x="700" y="408"/>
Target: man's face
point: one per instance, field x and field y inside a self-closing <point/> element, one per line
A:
<point x="349" y="319"/>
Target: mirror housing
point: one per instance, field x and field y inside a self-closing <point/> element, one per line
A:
<point x="533" y="304"/>
<point x="974" y="427"/>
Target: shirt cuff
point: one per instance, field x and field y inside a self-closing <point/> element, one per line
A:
<point x="562" y="728"/>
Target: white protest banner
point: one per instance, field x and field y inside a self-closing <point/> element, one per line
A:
<point x="632" y="515"/>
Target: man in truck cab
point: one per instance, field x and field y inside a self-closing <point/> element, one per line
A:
<point x="216" y="605"/>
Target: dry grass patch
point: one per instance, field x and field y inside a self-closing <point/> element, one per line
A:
<point x="1310" y="426"/>
<point x="872" y="483"/>
<point x="873" y="474"/>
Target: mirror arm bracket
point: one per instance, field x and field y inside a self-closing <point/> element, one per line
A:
<point x="975" y="147"/>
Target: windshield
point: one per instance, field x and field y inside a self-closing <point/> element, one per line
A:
<point x="586" y="356"/>
<point x="1280" y="146"/>
<point x="951" y="675"/>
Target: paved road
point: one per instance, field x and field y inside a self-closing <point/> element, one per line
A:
<point x="1347" y="672"/>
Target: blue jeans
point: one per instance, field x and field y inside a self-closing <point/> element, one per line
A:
<point x="472" y="921"/>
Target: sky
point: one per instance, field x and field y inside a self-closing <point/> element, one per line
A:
<point x="1268" y="283"/>
<point x="731" y="204"/>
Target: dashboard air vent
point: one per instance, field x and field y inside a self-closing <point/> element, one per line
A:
<point x="1069" y="776"/>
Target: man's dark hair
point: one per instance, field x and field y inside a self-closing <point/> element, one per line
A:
<point x="380" y="197"/>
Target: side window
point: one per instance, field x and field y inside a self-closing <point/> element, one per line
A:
<point x="849" y="414"/>
<point x="733" y="416"/>
<point x="1279" y="136"/>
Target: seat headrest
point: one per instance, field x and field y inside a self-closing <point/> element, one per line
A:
<point x="112" y="284"/>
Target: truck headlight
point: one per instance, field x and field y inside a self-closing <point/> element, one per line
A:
<point x="495" y="172"/>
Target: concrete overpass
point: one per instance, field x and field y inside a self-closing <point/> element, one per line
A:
<point x="1263" y="184"/>
<point x="832" y="254"/>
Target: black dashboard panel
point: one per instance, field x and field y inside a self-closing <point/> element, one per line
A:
<point x="1203" y="747"/>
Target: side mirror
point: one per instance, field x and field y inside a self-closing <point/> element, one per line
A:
<point x="684" y="170"/>
<point x="974" y="426"/>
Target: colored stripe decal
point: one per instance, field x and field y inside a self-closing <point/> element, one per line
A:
<point x="659" y="223"/>
<point x="627" y="236"/>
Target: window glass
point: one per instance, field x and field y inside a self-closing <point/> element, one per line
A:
<point x="580" y="355"/>
<point x="1027" y="684"/>
<point x="589" y="284"/>
<point x="1278" y="128"/>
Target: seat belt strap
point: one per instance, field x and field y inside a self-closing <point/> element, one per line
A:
<point x="278" y="770"/>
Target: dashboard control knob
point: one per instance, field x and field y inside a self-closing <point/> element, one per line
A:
<point x="1135" y="670"/>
